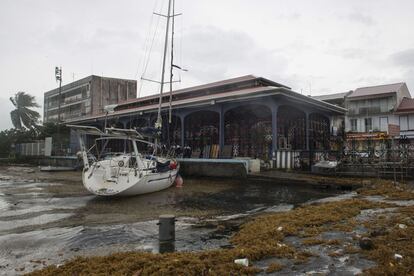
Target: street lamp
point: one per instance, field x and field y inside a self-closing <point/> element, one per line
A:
<point x="58" y="76"/>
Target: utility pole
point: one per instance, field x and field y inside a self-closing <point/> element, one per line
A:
<point x="58" y="76"/>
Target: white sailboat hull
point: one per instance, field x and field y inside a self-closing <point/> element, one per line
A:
<point x="127" y="182"/>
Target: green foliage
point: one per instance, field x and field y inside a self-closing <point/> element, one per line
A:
<point x="12" y="136"/>
<point x="23" y="116"/>
<point x="60" y="134"/>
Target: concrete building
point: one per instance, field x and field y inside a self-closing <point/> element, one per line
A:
<point x="87" y="97"/>
<point x="247" y="116"/>
<point x="405" y="113"/>
<point x="372" y="109"/>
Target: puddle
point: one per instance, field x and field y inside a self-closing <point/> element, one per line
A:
<point x="3" y="203"/>
<point x="35" y="221"/>
<point x="402" y="203"/>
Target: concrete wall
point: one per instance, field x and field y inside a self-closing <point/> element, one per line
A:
<point x="94" y="93"/>
<point x="217" y="169"/>
<point x="107" y="91"/>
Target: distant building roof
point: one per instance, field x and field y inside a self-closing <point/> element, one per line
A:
<point x="331" y="97"/>
<point x="406" y="106"/>
<point x="376" y="90"/>
<point x="217" y="84"/>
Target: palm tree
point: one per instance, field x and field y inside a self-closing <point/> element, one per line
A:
<point x="23" y="115"/>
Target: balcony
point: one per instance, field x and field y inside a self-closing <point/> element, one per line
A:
<point x="367" y="111"/>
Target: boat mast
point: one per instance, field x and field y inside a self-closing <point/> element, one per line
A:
<point x="158" y="124"/>
<point x="172" y="62"/>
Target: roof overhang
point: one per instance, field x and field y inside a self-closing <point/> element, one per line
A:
<point x="373" y="96"/>
<point x="208" y="100"/>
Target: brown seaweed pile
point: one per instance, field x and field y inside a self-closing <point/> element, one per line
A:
<point x="393" y="239"/>
<point x="388" y="189"/>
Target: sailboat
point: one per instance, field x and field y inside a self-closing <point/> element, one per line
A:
<point x="119" y="166"/>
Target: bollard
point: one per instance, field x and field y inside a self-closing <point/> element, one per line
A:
<point x="166" y="228"/>
<point x="166" y="233"/>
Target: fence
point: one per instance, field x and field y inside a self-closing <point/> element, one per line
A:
<point x="37" y="148"/>
<point x="31" y="149"/>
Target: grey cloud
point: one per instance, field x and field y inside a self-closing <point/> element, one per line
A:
<point x="216" y="54"/>
<point x="355" y="53"/>
<point x="404" y="58"/>
<point x="359" y="17"/>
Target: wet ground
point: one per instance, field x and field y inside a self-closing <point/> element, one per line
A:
<point x="46" y="218"/>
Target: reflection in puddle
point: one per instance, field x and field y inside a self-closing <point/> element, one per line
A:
<point x="3" y="203"/>
<point x="38" y="220"/>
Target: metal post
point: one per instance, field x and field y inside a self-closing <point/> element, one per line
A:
<point x="60" y="94"/>
<point x="182" y="121"/>
<point x="221" y="131"/>
<point x="274" y="135"/>
<point x="166" y="233"/>
<point x="58" y="75"/>
<point x="394" y="159"/>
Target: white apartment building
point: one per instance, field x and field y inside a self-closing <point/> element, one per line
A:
<point x="372" y="109"/>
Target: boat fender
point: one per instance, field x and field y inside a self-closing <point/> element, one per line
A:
<point x="173" y="165"/>
<point x="179" y="181"/>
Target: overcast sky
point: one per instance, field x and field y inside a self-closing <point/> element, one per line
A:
<point x="316" y="47"/>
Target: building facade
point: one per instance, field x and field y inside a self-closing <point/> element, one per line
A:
<point x="247" y="116"/>
<point x="372" y="112"/>
<point x="86" y="97"/>
<point x="372" y="109"/>
<point x="405" y="113"/>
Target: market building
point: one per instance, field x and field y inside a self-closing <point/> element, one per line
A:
<point x="247" y="116"/>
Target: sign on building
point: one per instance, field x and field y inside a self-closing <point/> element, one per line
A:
<point x="393" y="130"/>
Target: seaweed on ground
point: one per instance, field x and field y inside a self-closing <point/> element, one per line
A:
<point x="388" y="189"/>
<point x="264" y="237"/>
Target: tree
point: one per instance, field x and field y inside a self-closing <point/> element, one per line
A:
<point x="23" y="115"/>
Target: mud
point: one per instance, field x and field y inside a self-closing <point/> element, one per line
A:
<point x="47" y="218"/>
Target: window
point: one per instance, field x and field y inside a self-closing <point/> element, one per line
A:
<point x="354" y="126"/>
<point x="384" y="123"/>
<point x="384" y="105"/>
<point x="404" y="122"/>
<point x="368" y="124"/>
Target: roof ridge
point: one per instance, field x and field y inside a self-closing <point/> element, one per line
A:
<point x="401" y="83"/>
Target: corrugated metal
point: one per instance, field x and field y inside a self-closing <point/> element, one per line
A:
<point x="285" y="159"/>
<point x="375" y="90"/>
<point x="406" y="105"/>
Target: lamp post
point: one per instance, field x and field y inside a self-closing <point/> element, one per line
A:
<point x="58" y="75"/>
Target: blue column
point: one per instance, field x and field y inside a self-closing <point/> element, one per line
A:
<point x="274" y="128"/>
<point x="182" y="120"/>
<point x="221" y="129"/>
<point x="307" y="129"/>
